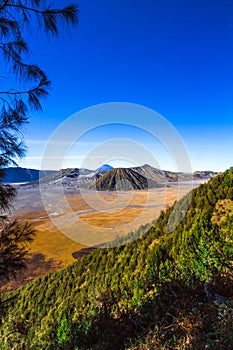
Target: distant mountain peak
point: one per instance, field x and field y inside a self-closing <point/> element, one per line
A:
<point x="105" y="167"/>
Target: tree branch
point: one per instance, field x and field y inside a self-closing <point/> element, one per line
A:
<point x="22" y="7"/>
<point x="5" y="3"/>
<point x="47" y="11"/>
<point x="11" y="92"/>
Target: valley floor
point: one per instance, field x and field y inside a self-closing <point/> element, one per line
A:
<point x="74" y="222"/>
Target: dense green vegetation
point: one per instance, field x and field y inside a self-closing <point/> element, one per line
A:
<point x="162" y="291"/>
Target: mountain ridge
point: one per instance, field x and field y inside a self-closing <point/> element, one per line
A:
<point x="169" y="176"/>
<point x="123" y="179"/>
<point x="18" y="174"/>
<point x="74" y="178"/>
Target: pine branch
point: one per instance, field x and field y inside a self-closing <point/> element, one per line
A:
<point x="20" y="68"/>
<point x="37" y="89"/>
<point x="5" y="3"/>
<point x="8" y="26"/>
<point x="7" y="194"/>
<point x="15" y="17"/>
<point x="14" y="238"/>
<point x="50" y="16"/>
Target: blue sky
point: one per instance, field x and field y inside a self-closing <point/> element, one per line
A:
<point x="175" y="57"/>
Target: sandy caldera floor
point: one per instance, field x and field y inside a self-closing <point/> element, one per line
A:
<point x="70" y="222"/>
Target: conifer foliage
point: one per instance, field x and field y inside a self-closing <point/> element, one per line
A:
<point x="23" y="85"/>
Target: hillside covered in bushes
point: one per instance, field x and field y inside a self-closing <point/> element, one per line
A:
<point x="164" y="290"/>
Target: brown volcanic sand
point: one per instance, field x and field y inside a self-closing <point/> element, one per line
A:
<point x="49" y="241"/>
<point x="96" y="217"/>
<point x="116" y="214"/>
